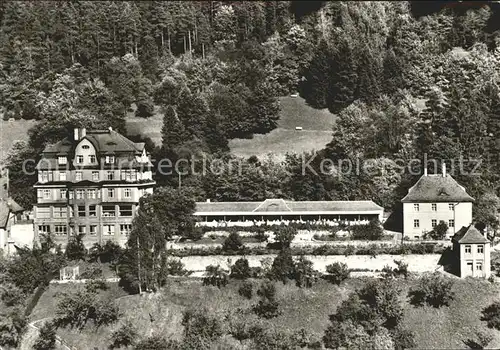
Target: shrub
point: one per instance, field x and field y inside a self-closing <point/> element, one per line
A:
<point x="337" y="272"/>
<point x="200" y="326"/>
<point x="491" y="315"/>
<point x="304" y="274"/>
<point x="91" y="271"/>
<point x="373" y="231"/>
<point x="246" y="290"/>
<point x="215" y="276"/>
<point x="438" y="232"/>
<point x="11" y="295"/>
<point x="241" y="269"/>
<point x="76" y="309"/>
<point x="403" y="338"/>
<point x="157" y="342"/>
<point x="47" y="337"/>
<point x="284" y="235"/>
<point x="75" y="249"/>
<point x="233" y="243"/>
<point x="268" y="306"/>
<point x="400" y="270"/>
<point x="434" y="290"/>
<point x="283" y="266"/>
<point x="109" y="252"/>
<point x="124" y="336"/>
<point x="175" y="267"/>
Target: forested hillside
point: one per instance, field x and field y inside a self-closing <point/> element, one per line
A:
<point x="404" y="78"/>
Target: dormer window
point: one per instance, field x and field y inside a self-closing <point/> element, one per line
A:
<point x="92" y="158"/>
<point x="62" y="160"/>
<point x="79" y="159"/>
<point x="110" y="159"/>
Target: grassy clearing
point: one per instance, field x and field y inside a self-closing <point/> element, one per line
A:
<point x="315" y="134"/>
<point x="446" y="327"/>
<point x="12" y="131"/>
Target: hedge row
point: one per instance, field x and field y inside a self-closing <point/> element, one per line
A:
<point x="326" y="249"/>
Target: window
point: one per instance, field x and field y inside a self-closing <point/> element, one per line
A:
<point x="109" y="230"/>
<point x="416" y="207"/>
<point x="82" y="229"/>
<point x="70" y="194"/>
<point x="79" y="159"/>
<point x="92" y="210"/>
<point x="451" y="223"/>
<point x="92" y="194"/>
<point x="44" y="229"/>
<point x="128" y="175"/>
<point x="60" y="212"/>
<point x="43" y="212"/>
<point x="434" y="222"/>
<point x="93" y="229"/>
<point x="92" y="158"/>
<point x="125" y="229"/>
<point x="108" y="210"/>
<point x="60" y="230"/>
<point x="451" y="206"/>
<point x="110" y="159"/>
<point x="62" y="160"/>
<point x="95" y="176"/>
<point x="111" y="192"/>
<point x="480" y="249"/>
<point x="46" y="194"/>
<point x="110" y="175"/>
<point x="85" y="147"/>
<point x="62" y="176"/>
<point x="80" y="194"/>
<point x="127" y="193"/>
<point x="434" y="207"/>
<point x="81" y="210"/>
<point x="468" y="249"/>
<point x="479" y="266"/>
<point x="44" y="176"/>
<point x="416" y="223"/>
<point x="78" y="176"/>
<point x="63" y="194"/>
<point x="125" y="210"/>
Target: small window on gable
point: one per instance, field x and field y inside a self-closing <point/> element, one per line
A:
<point x="468" y="249"/>
<point x="416" y="207"/>
<point x="85" y="147"/>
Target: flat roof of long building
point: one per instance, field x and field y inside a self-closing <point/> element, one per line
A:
<point x="287" y="207"/>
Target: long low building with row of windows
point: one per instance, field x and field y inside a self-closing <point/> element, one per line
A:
<point x="278" y="211"/>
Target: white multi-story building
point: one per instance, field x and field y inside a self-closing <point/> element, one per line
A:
<point x="435" y="198"/>
<point x="90" y="184"/>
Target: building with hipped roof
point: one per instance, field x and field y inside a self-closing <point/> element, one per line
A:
<point x="435" y="198"/>
<point x="471" y="252"/>
<point x="90" y="184"/>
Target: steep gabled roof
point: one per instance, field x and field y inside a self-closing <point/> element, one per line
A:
<point x="105" y="141"/>
<point x="437" y="188"/>
<point x="469" y="234"/>
<point x="6" y="207"/>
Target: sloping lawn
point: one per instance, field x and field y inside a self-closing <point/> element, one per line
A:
<point x="161" y="313"/>
<point x="315" y="134"/>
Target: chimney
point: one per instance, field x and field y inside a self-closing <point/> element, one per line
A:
<point x="84" y="132"/>
<point x="443" y="167"/>
<point x="425" y="170"/>
<point x="76" y="136"/>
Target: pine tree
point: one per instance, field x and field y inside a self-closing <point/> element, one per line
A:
<point x="314" y="89"/>
<point x="172" y="131"/>
<point x="344" y="78"/>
